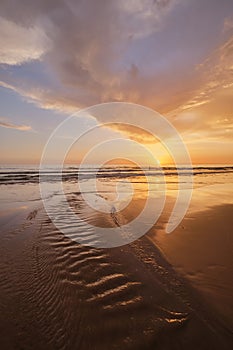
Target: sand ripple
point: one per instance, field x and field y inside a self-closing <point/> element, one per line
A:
<point x="57" y="294"/>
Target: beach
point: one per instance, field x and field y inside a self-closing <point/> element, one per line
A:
<point x="162" y="291"/>
<point x="116" y="175"/>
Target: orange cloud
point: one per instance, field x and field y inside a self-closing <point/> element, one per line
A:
<point x="7" y="125"/>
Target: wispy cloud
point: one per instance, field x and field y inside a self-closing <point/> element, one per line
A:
<point x="228" y="23"/>
<point x="8" y="125"/>
<point x="216" y="72"/>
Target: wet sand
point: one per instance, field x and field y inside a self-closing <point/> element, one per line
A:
<point x="57" y="294"/>
<point x="200" y="249"/>
<point x="160" y="292"/>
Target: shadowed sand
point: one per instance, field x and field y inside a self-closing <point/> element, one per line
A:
<point x="57" y="294"/>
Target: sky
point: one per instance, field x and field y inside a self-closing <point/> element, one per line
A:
<point x="58" y="57"/>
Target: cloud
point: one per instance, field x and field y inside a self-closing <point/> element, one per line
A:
<point x="136" y="50"/>
<point x="217" y="74"/>
<point x="83" y="43"/>
<point x="44" y="98"/>
<point x="207" y="115"/>
<point x="134" y="133"/>
<point x="5" y="124"/>
<point x="20" y="44"/>
<point x="228" y="23"/>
